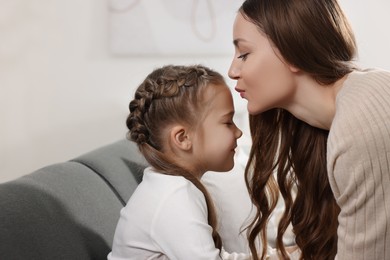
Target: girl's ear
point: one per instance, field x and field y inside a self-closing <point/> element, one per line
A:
<point x="180" y="138"/>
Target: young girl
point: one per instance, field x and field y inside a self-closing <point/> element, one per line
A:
<point x="182" y="121"/>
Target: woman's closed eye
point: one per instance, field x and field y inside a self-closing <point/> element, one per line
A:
<point x="243" y="56"/>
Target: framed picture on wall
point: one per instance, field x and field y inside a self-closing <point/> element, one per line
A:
<point x="171" y="27"/>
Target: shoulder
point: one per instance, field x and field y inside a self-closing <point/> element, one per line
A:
<point x="361" y="126"/>
<point x="364" y="84"/>
<point x="161" y="197"/>
<point x="159" y="188"/>
<point x="362" y="115"/>
<point x="363" y="101"/>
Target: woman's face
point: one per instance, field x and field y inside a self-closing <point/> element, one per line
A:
<point x="263" y="78"/>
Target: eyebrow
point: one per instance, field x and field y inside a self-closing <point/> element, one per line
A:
<point x="229" y="114"/>
<point x="237" y="41"/>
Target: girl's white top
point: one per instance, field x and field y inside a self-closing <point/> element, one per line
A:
<point x="166" y="218"/>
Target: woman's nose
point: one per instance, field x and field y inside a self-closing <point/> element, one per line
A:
<point x="233" y="71"/>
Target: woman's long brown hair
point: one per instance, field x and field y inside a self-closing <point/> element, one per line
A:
<point x="315" y="37"/>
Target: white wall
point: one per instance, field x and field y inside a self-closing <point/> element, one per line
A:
<point x="370" y="21"/>
<point x="62" y="94"/>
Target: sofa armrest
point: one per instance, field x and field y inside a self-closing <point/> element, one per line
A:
<point x="63" y="211"/>
<point x="69" y="210"/>
<point x="120" y="164"/>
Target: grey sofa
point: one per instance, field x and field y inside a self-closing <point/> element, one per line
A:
<point x="69" y="210"/>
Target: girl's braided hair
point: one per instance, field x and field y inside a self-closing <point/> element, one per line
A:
<point x="171" y="94"/>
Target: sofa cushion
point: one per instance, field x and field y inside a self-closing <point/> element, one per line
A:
<point x="63" y="211"/>
<point x="120" y="164"/>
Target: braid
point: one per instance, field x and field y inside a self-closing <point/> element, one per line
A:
<point x="139" y="107"/>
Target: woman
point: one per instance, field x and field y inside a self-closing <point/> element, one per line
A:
<point x="320" y="122"/>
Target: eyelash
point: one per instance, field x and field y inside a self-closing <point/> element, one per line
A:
<point x="243" y="56"/>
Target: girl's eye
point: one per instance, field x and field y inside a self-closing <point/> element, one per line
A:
<point x="229" y="123"/>
<point x="243" y="56"/>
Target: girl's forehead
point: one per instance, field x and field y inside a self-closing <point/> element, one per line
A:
<point x="213" y="89"/>
<point x="219" y="95"/>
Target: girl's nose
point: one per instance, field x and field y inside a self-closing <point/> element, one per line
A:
<point x="238" y="133"/>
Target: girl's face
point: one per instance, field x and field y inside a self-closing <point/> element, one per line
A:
<point x="263" y="78"/>
<point x="216" y="138"/>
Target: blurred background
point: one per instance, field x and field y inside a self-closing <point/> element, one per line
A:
<point x="67" y="74"/>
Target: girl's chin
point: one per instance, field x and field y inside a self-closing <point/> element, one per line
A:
<point x="228" y="167"/>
